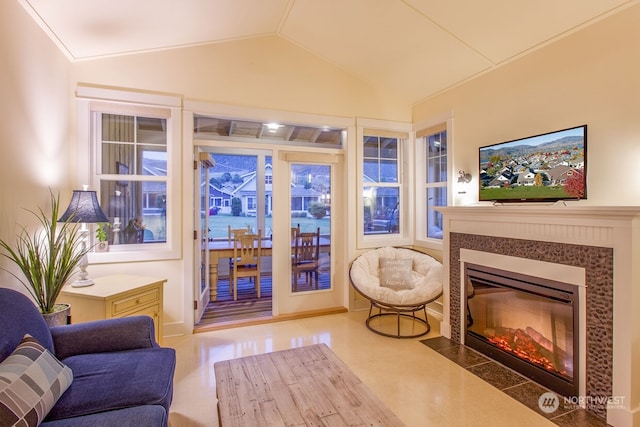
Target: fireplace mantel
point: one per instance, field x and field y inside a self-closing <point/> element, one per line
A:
<point x="560" y="228"/>
<point x="582" y="225"/>
<point x="537" y="209"/>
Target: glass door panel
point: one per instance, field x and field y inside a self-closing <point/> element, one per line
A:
<point x="203" y="289"/>
<point x="239" y="199"/>
<point x="310" y="208"/>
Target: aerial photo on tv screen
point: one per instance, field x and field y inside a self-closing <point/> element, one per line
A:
<point x="545" y="167"/>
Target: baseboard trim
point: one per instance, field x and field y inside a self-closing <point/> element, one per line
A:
<point x="270" y="319"/>
<point x="175" y="329"/>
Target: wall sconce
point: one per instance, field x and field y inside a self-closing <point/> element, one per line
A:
<point x="464" y="177"/>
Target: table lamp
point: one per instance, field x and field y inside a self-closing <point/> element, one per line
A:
<point x="85" y="209"/>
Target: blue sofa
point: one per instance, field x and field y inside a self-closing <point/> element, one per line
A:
<point x="120" y="375"/>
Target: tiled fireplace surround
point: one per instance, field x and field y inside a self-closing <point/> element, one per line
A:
<point x="590" y="247"/>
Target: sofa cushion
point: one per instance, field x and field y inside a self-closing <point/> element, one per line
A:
<point x="31" y="382"/>
<point x="137" y="416"/>
<point x="104" y="336"/>
<point x="107" y="381"/>
<point x="19" y="316"/>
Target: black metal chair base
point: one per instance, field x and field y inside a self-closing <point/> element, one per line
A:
<point x="400" y="313"/>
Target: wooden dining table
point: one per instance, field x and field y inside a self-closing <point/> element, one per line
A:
<point x="223" y="249"/>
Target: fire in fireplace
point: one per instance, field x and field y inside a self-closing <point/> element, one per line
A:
<point x="527" y="323"/>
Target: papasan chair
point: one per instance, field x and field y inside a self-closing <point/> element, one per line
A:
<point x="398" y="282"/>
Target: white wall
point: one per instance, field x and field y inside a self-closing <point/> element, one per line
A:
<point x="592" y="77"/>
<point x="266" y="72"/>
<point x="34" y="131"/>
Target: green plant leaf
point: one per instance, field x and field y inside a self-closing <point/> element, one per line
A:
<point x="47" y="257"/>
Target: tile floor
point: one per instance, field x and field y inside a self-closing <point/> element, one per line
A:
<point x="422" y="386"/>
<point x="520" y="388"/>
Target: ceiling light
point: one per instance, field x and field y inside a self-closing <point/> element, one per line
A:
<point x="273" y="127"/>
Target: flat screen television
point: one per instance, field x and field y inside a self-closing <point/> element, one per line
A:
<point x="547" y="167"/>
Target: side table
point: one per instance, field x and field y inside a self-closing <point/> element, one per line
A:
<point x="118" y="295"/>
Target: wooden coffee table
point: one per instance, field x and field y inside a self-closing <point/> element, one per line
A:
<point x="306" y="386"/>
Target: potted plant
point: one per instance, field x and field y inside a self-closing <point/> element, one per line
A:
<point x="47" y="259"/>
<point x="101" y="237"/>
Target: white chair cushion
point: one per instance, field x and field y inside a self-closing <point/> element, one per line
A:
<point x="426" y="277"/>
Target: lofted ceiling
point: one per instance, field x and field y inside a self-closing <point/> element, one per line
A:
<point x="415" y="48"/>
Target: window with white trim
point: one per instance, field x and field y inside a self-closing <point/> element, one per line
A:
<point x="129" y="145"/>
<point x="384" y="186"/>
<point x="132" y="176"/>
<point x="381" y="178"/>
<point x="252" y="205"/>
<point x="434" y="141"/>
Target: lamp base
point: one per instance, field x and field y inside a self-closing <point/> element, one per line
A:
<point x="81" y="283"/>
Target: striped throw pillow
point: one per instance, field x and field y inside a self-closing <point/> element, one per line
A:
<point x="31" y="382"/>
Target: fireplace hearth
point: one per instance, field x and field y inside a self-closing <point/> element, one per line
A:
<point x="527" y="323"/>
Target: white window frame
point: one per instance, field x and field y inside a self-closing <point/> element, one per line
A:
<point x="252" y="204"/>
<point x="423" y="129"/>
<point x="403" y="131"/>
<point x="91" y="100"/>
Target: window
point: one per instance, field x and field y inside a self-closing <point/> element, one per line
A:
<point x="239" y="130"/>
<point x="384" y="186"/>
<point x="435" y="185"/>
<point x="381" y="191"/>
<point x="129" y="145"/>
<point x="132" y="174"/>
<point x="251" y="204"/>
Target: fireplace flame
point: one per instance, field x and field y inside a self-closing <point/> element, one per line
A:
<point x="532" y="347"/>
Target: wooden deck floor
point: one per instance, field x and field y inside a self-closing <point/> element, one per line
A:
<point x="248" y="306"/>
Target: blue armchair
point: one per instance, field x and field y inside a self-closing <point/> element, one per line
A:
<point x="121" y="376"/>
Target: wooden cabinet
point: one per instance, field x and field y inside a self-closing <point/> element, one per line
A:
<point x="117" y="296"/>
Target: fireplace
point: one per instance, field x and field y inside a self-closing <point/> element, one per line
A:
<point x="527" y="323"/>
<point x="592" y="247"/>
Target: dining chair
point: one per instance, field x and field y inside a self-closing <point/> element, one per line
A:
<point x="232" y="233"/>
<point x="306" y="258"/>
<point x="294" y="232"/>
<point x="247" y="250"/>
